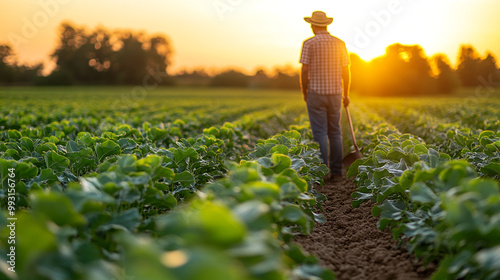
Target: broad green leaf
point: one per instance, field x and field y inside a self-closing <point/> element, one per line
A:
<point x="244" y="175"/>
<point x="144" y="259"/>
<point x="181" y="155"/>
<point x="211" y="131"/>
<point x="56" y="207"/>
<point x="254" y="214"/>
<point x="204" y="263"/>
<point x="105" y="149"/>
<point x="484" y="187"/>
<point x="442" y="270"/>
<point x="267" y="191"/>
<point x="127" y="163"/>
<point x="456" y="171"/>
<point x="168" y="201"/>
<point x="420" y="149"/>
<point x="314" y="271"/>
<point x="281" y="162"/>
<point x="353" y="169"/>
<point x="149" y="163"/>
<point x="222" y="226"/>
<point x="127" y="144"/>
<point x="281" y="149"/>
<point x="396" y="153"/>
<point x="492" y="168"/>
<point x="489" y="259"/>
<point x="86" y="139"/>
<point x="46" y="176"/>
<point x="298" y="163"/>
<point x="292" y="213"/>
<point x="33" y="239"/>
<point x="184" y="178"/>
<point x="265" y="162"/>
<point x="25" y="171"/>
<point x="420" y="192"/>
<point x="406" y="180"/>
<point x="359" y="197"/>
<point x="55" y="161"/>
<point x="163" y="173"/>
<point x="293" y="134"/>
<point x="392" y="209"/>
<point x="14" y="134"/>
<point x="128" y="220"/>
<point x="27" y="144"/>
<point x="73" y="147"/>
<point x="157" y="134"/>
<point x="487" y="134"/>
<point x="459" y="261"/>
<point x="13" y="154"/>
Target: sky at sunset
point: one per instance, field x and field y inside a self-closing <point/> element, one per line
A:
<point x="247" y="34"/>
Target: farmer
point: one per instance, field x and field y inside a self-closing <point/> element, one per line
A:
<point x="325" y="78"/>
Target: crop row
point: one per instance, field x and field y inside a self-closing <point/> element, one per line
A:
<point x="61" y="153"/>
<point x="187" y="121"/>
<point x="473" y="113"/>
<point x="479" y="147"/>
<point x="438" y="206"/>
<point x="111" y="225"/>
<point x="118" y="199"/>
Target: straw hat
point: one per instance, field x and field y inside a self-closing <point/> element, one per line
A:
<point x="319" y="18"/>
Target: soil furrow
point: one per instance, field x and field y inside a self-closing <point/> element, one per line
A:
<point x="350" y="244"/>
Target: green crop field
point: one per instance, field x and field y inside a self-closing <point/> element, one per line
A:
<point x="177" y="183"/>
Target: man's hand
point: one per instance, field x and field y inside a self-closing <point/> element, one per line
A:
<point x="304" y="80"/>
<point x="346" y="82"/>
<point x="346" y="100"/>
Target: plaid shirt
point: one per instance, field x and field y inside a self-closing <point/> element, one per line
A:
<point x="325" y="55"/>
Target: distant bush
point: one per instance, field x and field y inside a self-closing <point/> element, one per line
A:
<point x="230" y="78"/>
<point x="13" y="73"/>
<point x="56" y="78"/>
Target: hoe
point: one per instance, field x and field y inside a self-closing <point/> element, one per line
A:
<point x="352" y="157"/>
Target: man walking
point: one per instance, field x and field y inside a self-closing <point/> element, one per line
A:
<point x="325" y="77"/>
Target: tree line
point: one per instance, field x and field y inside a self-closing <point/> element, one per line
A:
<point x="285" y="77"/>
<point x="117" y="57"/>
<point x="99" y="56"/>
<point x="406" y="70"/>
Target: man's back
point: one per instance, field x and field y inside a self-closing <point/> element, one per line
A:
<point x="325" y="55"/>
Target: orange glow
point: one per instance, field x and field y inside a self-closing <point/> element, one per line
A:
<point x="248" y="34"/>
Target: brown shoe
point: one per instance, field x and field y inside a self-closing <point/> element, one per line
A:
<point x="327" y="178"/>
<point x="335" y="178"/>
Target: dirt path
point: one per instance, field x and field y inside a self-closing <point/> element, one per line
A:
<point x="350" y="244"/>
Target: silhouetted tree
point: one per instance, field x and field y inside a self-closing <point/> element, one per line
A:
<point x="473" y="70"/>
<point x="469" y="66"/>
<point x="403" y="70"/>
<point x="260" y="79"/>
<point x="6" y="73"/>
<point x="230" y="78"/>
<point x="106" y="57"/>
<point x="197" y="77"/>
<point x="447" y="79"/>
<point x="11" y="72"/>
<point x="488" y="70"/>
<point x="285" y="77"/>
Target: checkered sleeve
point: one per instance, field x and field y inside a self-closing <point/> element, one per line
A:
<point x="345" y="56"/>
<point x="305" y="53"/>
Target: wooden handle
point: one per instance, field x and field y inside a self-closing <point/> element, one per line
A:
<point x="352" y="129"/>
